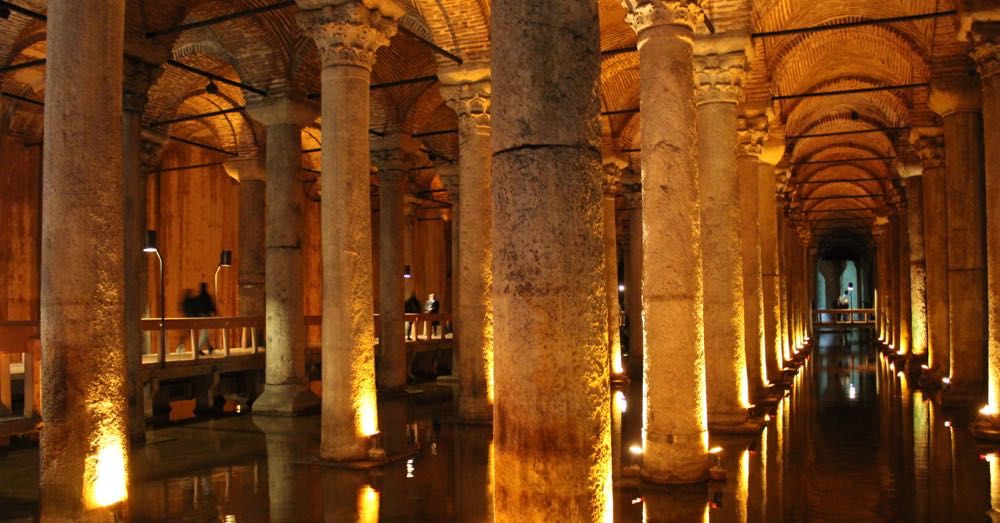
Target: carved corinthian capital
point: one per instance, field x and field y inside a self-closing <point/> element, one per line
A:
<point x="751" y="133"/>
<point x="349" y="33"/>
<point x="471" y="102"/>
<point x="719" y="77"/>
<point x="929" y="144"/>
<point x="643" y="15"/>
<point x="986" y="49"/>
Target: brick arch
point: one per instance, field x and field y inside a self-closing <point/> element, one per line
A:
<point x="459" y="26"/>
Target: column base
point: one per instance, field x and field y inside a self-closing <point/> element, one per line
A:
<point x="285" y="400"/>
<point x="681" y="475"/>
<point x="958" y="394"/>
<point x="734" y="424"/>
<point x="475" y="413"/>
<point x="986" y="428"/>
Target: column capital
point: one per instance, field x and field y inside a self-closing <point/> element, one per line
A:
<point x="448" y="173"/>
<point x="349" y="32"/>
<point x="246" y="169"/>
<point x="138" y="75"/>
<point x="283" y="110"/>
<point x="929" y="144"/>
<point x="720" y="64"/>
<point x="612" y="180"/>
<point x="986" y="48"/>
<point x="152" y="149"/>
<point x="633" y="200"/>
<point x="467" y="91"/>
<point x="394" y="153"/>
<point x="751" y="133"/>
<point x="645" y="14"/>
<point x="956" y="96"/>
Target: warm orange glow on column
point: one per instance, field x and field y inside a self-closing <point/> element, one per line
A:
<point x="744" y="386"/>
<point x="488" y="360"/>
<point x="106" y="480"/>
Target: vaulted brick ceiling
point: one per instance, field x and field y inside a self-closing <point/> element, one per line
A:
<point x="268" y="51"/>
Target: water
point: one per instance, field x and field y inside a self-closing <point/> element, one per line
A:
<point x="851" y="442"/>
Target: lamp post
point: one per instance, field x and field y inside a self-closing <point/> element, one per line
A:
<point x="150" y="246"/>
<point x="225" y="260"/>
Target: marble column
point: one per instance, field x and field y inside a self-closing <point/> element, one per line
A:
<point x="769" y="270"/>
<point x="720" y="65"/>
<point x="675" y="435"/>
<point x="392" y="371"/>
<point x="251" y="173"/>
<point x="902" y="262"/>
<point x="959" y="106"/>
<point x="551" y="424"/>
<point x="347" y="34"/>
<point x="751" y="133"/>
<point x="286" y="389"/>
<point x="986" y="52"/>
<point x="917" y="266"/>
<point x="467" y="91"/>
<point x="783" y="239"/>
<point x="633" y="288"/>
<point x="138" y="77"/>
<point x="84" y="439"/>
<point x="929" y="144"/>
<point x="410" y="207"/>
<point x="612" y="186"/>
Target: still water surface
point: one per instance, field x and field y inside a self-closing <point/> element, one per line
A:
<point x="850" y="443"/>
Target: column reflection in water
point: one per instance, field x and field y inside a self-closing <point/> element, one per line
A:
<point x="921" y="456"/>
<point x="940" y="465"/>
<point x="287" y="481"/>
<point x="994" y="512"/>
<point x="970" y="479"/>
<point x="474" y="473"/>
<point x="349" y="496"/>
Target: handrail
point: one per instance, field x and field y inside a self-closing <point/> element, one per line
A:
<point x="844" y="316"/>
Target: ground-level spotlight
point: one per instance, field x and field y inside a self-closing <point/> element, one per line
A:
<point x="636" y="450"/>
<point x="946" y="380"/>
<point x="988" y="410"/>
<point x="621" y="287"/>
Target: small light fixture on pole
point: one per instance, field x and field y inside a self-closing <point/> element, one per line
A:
<point x="225" y="260"/>
<point x="150" y="246"/>
<point x="406" y="272"/>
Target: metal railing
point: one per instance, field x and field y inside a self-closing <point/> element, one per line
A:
<point x="227" y="335"/>
<point x="844" y="317"/>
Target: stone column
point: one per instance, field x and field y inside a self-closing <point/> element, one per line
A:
<point x="448" y="173"/>
<point x="783" y="239"/>
<point x="903" y="345"/>
<point x="286" y="386"/>
<point x="675" y="435"/>
<point x="347" y="34"/>
<point x="138" y="77"/>
<point x="251" y="173"/>
<point x="986" y="52"/>
<point x="917" y="266"/>
<point x="251" y="256"/>
<point x="552" y="424"/>
<point x="467" y="91"/>
<point x="612" y="186"/>
<point x="410" y="206"/>
<point x="84" y="446"/>
<point x="929" y="144"/>
<point x="770" y="276"/>
<point x="720" y="65"/>
<point x="752" y="131"/>
<point x="392" y="371"/>
<point x="958" y="104"/>
<point x="633" y="289"/>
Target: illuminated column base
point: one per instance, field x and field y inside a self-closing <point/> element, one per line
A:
<point x="552" y="425"/>
<point x="675" y="433"/>
<point x="83" y="448"/>
<point x="347" y="34"/>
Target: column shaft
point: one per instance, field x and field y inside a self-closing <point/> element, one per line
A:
<point x="392" y="370"/>
<point x="633" y="291"/>
<point x="675" y="436"/>
<point x="285" y="387"/>
<point x="918" y="265"/>
<point x="252" y="253"/>
<point x="966" y="252"/>
<point x="471" y="101"/>
<point x="905" y="345"/>
<point x="552" y="424"/>
<point x="84" y="440"/>
<point x="725" y="359"/>
<point x="771" y="287"/>
<point x="611" y="281"/>
<point x="751" y="137"/>
<point x="931" y="149"/>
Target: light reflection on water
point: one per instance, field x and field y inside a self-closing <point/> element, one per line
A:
<point x="851" y="442"/>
